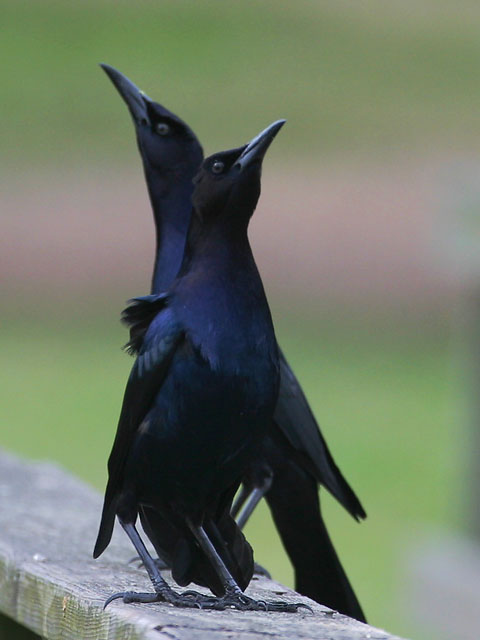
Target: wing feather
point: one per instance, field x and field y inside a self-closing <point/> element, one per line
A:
<point x="295" y="419"/>
<point x="156" y="336"/>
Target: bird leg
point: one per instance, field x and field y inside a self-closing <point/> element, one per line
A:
<point x="239" y="501"/>
<point x="163" y="592"/>
<point x="243" y="507"/>
<point x="253" y="499"/>
<point x="163" y="566"/>
<point x="234" y="596"/>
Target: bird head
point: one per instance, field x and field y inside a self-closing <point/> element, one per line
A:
<point x="228" y="183"/>
<point x="166" y="143"/>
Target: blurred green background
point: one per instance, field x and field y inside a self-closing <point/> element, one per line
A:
<point x="376" y="94"/>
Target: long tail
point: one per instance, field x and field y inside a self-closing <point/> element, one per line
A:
<point x="295" y="420"/>
<point x="293" y="501"/>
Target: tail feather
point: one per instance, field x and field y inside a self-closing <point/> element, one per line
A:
<point x="138" y="316"/>
<point x="293" y="501"/>
<point x="295" y="420"/>
<point x="107" y="523"/>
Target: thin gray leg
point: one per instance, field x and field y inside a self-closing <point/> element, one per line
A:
<point x="239" y="501"/>
<point x="234" y="596"/>
<point x="253" y="499"/>
<point x="163" y="592"/>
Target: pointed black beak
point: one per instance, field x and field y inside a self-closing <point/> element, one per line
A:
<point x="134" y="97"/>
<point x="257" y="147"/>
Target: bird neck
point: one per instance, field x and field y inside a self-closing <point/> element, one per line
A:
<point x="170" y="198"/>
<point x="217" y="243"/>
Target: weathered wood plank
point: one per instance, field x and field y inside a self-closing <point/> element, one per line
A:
<point x="50" y="584"/>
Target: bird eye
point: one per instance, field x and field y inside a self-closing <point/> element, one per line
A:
<point x="162" y="128"/>
<point x="217" y="167"/>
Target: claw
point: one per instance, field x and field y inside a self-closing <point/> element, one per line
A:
<point x="300" y="605"/>
<point x="131" y="596"/>
<point x="113" y="597"/>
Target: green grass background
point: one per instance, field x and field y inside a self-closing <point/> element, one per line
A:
<point x="384" y="398"/>
<point x="349" y="76"/>
<point x="355" y="80"/>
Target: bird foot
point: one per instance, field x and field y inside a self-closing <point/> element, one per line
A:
<point x="195" y="600"/>
<point x="238" y="600"/>
<point x="188" y="599"/>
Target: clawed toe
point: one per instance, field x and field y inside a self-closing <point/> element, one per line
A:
<point x="188" y="599"/>
<point x="195" y="600"/>
<point x="131" y="596"/>
<point x="198" y="596"/>
<point x="287" y="607"/>
<point x="244" y="603"/>
<point x="283" y="607"/>
<point x="111" y="599"/>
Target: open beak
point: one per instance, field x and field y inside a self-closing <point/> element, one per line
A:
<point x="134" y="97"/>
<point x="257" y="147"/>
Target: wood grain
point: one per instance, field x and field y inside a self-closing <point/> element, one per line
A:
<point x="50" y="584"/>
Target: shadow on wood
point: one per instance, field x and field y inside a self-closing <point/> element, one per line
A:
<point x="11" y="630"/>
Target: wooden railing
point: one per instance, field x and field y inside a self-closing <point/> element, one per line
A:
<point x="50" y="585"/>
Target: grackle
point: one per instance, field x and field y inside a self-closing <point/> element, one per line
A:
<point x="294" y="457"/>
<point x="200" y="396"/>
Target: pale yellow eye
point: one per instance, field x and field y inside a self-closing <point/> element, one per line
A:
<point x="162" y="129"/>
<point x="217" y="166"/>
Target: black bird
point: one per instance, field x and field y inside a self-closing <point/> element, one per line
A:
<point x="294" y="458"/>
<point x="200" y="396"/>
